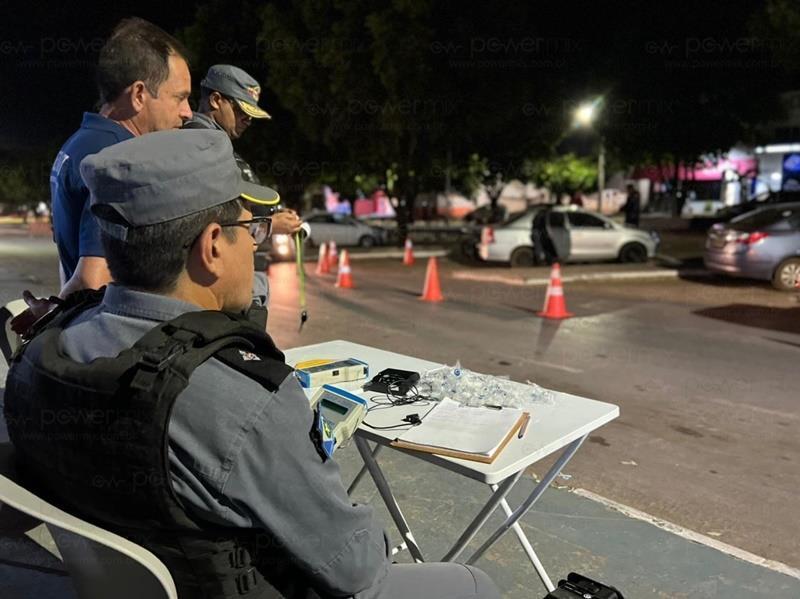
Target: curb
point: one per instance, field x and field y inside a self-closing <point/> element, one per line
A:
<point x="690" y="535"/>
<point x="399" y="254"/>
<point x="598" y="277"/>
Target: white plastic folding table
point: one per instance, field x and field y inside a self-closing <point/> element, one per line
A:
<point x="562" y="426"/>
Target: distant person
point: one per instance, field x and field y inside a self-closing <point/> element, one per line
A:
<point x="632" y="206"/>
<point x="543" y="250"/>
<point x="229" y="103"/>
<point x="144" y="84"/>
<point x="576" y="200"/>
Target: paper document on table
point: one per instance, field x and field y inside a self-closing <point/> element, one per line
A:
<point x="461" y="431"/>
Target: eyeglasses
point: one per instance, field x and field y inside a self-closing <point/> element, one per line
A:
<point x="259" y="227"/>
<point x="235" y="105"/>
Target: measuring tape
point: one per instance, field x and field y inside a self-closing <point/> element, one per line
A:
<point x="299" y="238"/>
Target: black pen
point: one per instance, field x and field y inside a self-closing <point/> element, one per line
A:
<point x="493" y="407"/>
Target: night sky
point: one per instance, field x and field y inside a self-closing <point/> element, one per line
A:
<point x="47" y="59"/>
<point x="47" y="55"/>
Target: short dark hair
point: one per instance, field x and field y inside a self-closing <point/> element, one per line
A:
<point x="137" y="50"/>
<point x="153" y="257"/>
<point x="205" y="94"/>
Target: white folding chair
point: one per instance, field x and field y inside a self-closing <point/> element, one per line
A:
<point x="101" y="564"/>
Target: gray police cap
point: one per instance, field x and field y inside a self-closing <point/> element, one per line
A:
<point x="235" y="83"/>
<point x="163" y="176"/>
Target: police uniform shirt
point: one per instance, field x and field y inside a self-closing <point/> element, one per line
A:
<point x="76" y="231"/>
<point x="242" y="456"/>
<point x="203" y="121"/>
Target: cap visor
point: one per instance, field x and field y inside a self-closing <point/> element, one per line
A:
<point x="259" y="194"/>
<point x="253" y="111"/>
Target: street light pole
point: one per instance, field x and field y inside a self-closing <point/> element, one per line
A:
<point x="584" y="115"/>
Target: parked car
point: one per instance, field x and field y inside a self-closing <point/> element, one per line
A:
<point x="343" y="229"/>
<point x="773" y="199"/>
<point x="592" y="237"/>
<point x="762" y="244"/>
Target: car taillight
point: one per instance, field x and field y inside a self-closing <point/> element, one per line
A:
<point x="487" y="235"/>
<point x="751" y="238"/>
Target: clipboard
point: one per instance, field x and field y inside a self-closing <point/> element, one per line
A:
<point x="437" y="432"/>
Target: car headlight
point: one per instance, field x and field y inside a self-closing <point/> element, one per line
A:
<point x="280" y="243"/>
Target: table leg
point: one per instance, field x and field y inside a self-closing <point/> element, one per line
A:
<point x="482" y="517"/>
<point x="526" y="545"/>
<point x="363" y="471"/>
<point x="388" y="498"/>
<point x="534" y="496"/>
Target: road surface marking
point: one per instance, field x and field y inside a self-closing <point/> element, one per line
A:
<point x="470" y="276"/>
<point x="556" y="366"/>
<point x="690" y="534"/>
<point x="397" y="254"/>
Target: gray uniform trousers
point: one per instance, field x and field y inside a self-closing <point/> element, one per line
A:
<point x="442" y="580"/>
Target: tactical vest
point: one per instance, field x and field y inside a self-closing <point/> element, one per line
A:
<point x="93" y="438"/>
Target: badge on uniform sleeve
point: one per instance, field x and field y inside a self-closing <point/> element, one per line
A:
<point x="321" y="434"/>
<point x="248" y="356"/>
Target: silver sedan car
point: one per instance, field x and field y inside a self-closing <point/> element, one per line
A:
<point x="762" y="244"/>
<point x="344" y="230"/>
<point x="589" y="237"/>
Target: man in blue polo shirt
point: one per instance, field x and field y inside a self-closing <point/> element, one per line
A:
<point x="75" y="229"/>
<point x="144" y="84"/>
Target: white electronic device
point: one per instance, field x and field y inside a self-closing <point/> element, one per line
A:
<point x="339" y="414"/>
<point x="313" y="373"/>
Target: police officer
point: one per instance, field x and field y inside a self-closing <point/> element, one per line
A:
<point x="229" y="102"/>
<point x="175" y="420"/>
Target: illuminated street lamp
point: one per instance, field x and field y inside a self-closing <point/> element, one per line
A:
<point x="584" y="116"/>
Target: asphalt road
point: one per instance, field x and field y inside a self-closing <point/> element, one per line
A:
<point x="704" y="371"/>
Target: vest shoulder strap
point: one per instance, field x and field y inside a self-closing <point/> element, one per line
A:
<point x="187" y="341"/>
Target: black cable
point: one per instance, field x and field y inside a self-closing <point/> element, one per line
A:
<point x="386" y="428"/>
<point x="394" y="399"/>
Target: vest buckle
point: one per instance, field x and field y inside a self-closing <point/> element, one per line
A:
<point x="151" y="363"/>
<point x="246" y="581"/>
<point x="237" y="557"/>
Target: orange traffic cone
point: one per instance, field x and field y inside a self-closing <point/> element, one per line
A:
<point x="322" y="261"/>
<point x="333" y="256"/>
<point x="408" y="254"/>
<point x="432" y="292"/>
<point x="344" y="279"/>
<point x="555" y="306"/>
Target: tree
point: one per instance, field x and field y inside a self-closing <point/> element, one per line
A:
<point x="563" y="174"/>
<point x="20" y="184"/>
<point x="475" y="174"/>
<point x="355" y="87"/>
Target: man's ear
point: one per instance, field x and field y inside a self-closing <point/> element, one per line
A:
<point x="214" y="99"/>
<point x="207" y="250"/>
<point x="137" y="92"/>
